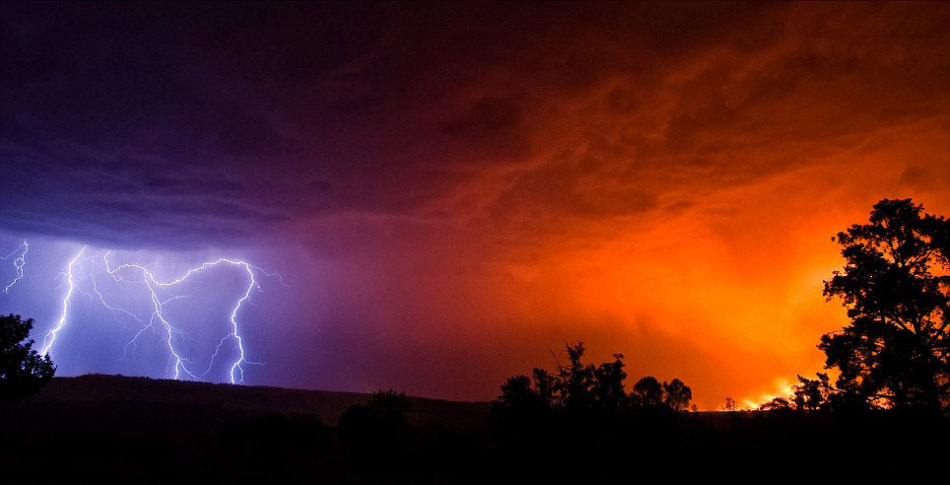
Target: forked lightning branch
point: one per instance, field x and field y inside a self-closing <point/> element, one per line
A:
<point x="84" y="274"/>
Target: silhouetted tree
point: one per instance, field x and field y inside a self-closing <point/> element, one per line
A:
<point x="23" y="371"/>
<point x="577" y="387"/>
<point x="389" y="407"/>
<point x="812" y="394"/>
<point x="677" y="395"/>
<point x="647" y="392"/>
<point x="519" y="404"/>
<point x="651" y="393"/>
<point x="580" y="391"/>
<point x="730" y="405"/>
<point x="896" y="350"/>
<point x="576" y="381"/>
<point x="776" y="404"/>
<point x="545" y="385"/>
<point x="608" y="384"/>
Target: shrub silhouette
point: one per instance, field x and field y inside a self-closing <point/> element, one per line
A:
<point x="23" y="371"/>
<point x="581" y="391"/>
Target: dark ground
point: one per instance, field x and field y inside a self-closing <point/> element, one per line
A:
<point x="120" y="429"/>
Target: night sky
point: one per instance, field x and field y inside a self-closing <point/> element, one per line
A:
<point x="449" y="191"/>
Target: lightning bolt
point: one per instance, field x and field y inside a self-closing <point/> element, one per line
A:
<point x="96" y="294"/>
<point x="18" y="263"/>
<point x="75" y="275"/>
<point x="235" y="334"/>
<point x="51" y="336"/>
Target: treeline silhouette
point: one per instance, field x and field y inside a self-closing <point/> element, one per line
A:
<point x="582" y="393"/>
<point x="883" y="416"/>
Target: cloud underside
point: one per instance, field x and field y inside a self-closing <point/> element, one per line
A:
<point x="521" y="118"/>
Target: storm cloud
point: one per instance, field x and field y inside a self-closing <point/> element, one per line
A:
<point x="490" y="178"/>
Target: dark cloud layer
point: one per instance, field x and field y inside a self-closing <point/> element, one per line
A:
<point x="152" y="105"/>
<point x="400" y="108"/>
<point x="651" y="160"/>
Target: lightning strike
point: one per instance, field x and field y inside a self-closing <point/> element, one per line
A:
<point x="51" y="336"/>
<point x="97" y="295"/>
<point x="236" y="372"/>
<point x="77" y="280"/>
<point x="18" y="263"/>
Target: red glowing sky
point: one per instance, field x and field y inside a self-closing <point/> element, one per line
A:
<point x="459" y="188"/>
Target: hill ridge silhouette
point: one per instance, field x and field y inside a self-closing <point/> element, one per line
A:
<point x="93" y="389"/>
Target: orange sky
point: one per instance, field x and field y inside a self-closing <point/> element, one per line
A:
<point x="680" y="208"/>
<point x="468" y="185"/>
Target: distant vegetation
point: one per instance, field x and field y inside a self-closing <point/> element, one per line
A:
<point x="23" y="371"/>
<point x="579" y="391"/>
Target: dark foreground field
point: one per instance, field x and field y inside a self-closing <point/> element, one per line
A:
<point x="117" y="429"/>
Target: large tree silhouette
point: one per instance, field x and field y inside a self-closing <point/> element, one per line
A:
<point x="22" y="371"/>
<point x="895" y="351"/>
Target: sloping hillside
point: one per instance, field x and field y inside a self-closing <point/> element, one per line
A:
<point x="94" y="390"/>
